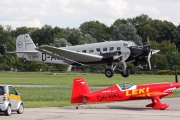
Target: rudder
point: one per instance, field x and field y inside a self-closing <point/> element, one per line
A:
<point x="79" y="89"/>
<point x="24" y="44"/>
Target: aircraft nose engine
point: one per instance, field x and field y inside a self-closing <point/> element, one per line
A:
<point x="141" y="54"/>
<point x="146" y="49"/>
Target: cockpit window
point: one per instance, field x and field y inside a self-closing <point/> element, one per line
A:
<point x="125" y="86"/>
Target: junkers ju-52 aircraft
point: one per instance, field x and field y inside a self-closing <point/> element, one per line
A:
<point x="109" y="53"/>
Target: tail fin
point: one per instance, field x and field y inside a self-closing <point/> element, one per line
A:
<point x="80" y="88"/>
<point x="24" y="44"/>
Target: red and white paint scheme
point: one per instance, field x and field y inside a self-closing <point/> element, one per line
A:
<point x="81" y="93"/>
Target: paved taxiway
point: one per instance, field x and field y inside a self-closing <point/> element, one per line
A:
<point x="128" y="110"/>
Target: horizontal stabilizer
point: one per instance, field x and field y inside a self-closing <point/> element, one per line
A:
<point x="26" y="51"/>
<point x="10" y="52"/>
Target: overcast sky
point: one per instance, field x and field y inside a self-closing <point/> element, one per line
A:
<point x="72" y="13"/>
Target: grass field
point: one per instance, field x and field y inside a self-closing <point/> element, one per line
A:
<point x="57" y="96"/>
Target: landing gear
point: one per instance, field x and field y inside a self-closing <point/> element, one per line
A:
<point x="84" y="102"/>
<point x="125" y="73"/>
<point x="157" y="104"/>
<point x="109" y="73"/>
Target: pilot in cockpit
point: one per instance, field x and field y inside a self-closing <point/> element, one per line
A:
<point x="124" y="86"/>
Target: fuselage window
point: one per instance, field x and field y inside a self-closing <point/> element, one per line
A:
<point x="118" y="48"/>
<point x="91" y="51"/>
<point x="111" y="48"/>
<point x="105" y="49"/>
<point x="84" y="51"/>
<point x="98" y="49"/>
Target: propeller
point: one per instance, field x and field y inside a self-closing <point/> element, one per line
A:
<point x="149" y="56"/>
<point x="148" y="51"/>
<point x="176" y="80"/>
<point x="148" y="59"/>
<point x="117" y="56"/>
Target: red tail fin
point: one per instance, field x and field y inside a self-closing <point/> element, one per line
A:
<point x="79" y="89"/>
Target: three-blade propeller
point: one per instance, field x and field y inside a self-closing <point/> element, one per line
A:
<point x="151" y="51"/>
<point x="148" y="51"/>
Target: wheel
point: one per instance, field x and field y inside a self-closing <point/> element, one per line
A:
<point x="7" y="112"/>
<point x="109" y="73"/>
<point x="126" y="73"/>
<point x="21" y="109"/>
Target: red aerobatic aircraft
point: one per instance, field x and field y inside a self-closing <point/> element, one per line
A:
<point x="81" y="93"/>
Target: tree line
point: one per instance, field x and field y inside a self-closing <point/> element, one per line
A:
<point x="161" y="35"/>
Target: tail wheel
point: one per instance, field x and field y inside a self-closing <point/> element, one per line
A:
<point x="7" y="112"/>
<point x="126" y="73"/>
<point x="21" y="109"/>
<point x="109" y="73"/>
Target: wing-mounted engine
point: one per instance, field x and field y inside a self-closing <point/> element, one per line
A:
<point x="112" y="56"/>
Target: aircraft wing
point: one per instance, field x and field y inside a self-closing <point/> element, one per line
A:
<point x="149" y="94"/>
<point x="68" y="61"/>
<point x="156" y="93"/>
<point x="71" y="55"/>
<point x="9" y="52"/>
